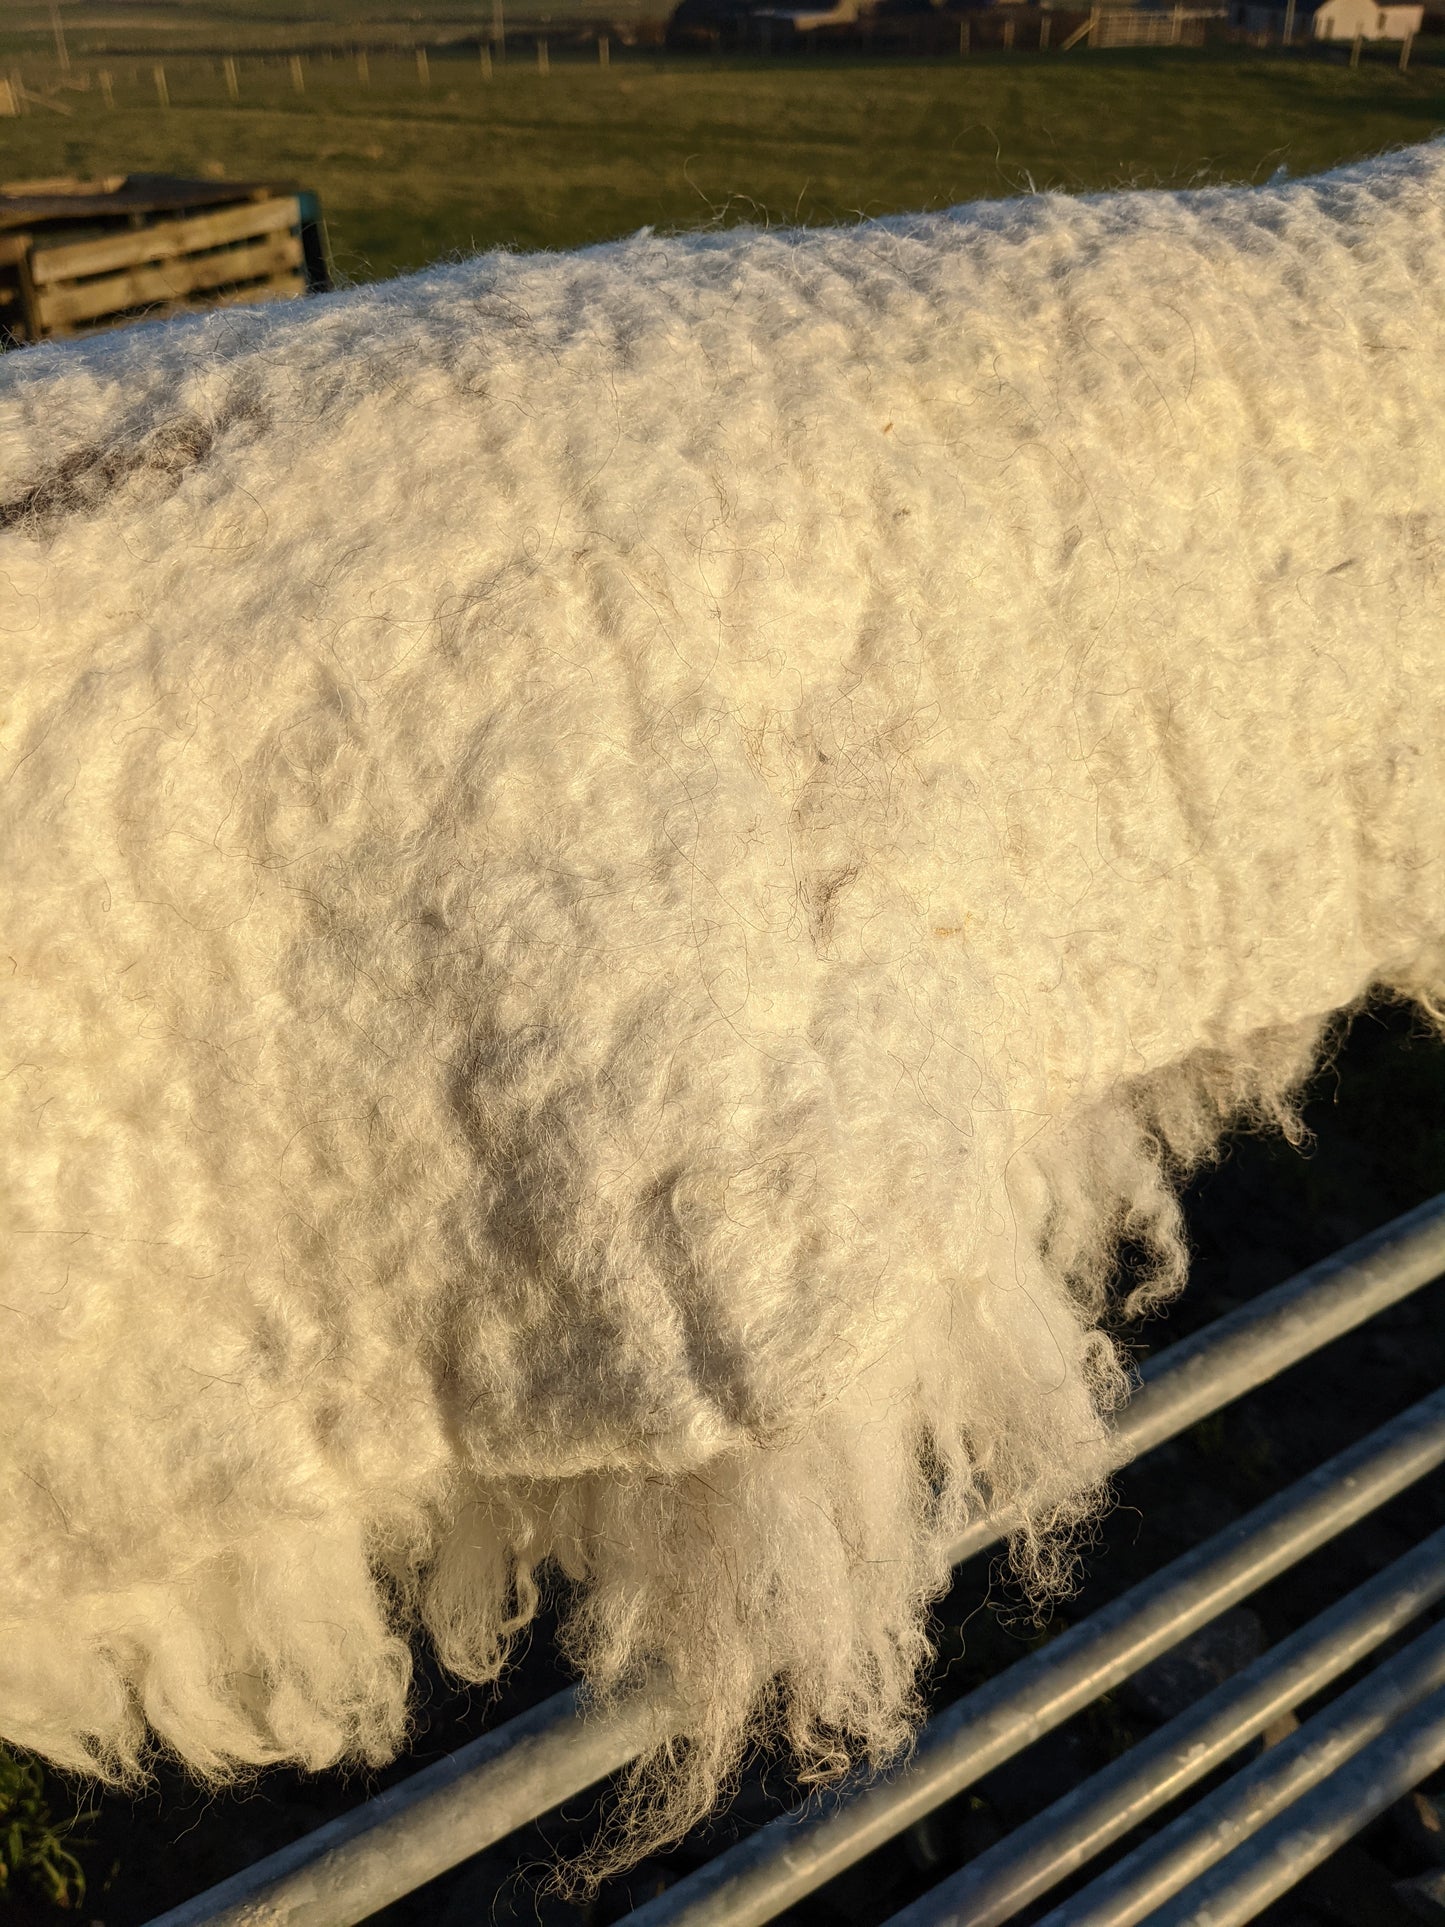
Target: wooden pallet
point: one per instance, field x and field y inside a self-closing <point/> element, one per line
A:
<point x="79" y="257"/>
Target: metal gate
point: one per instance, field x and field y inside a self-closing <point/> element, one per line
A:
<point x="1220" y="1862"/>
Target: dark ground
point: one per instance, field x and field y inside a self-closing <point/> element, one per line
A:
<point x="1378" y="1120"/>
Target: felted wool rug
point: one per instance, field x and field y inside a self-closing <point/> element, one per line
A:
<point x="620" y="873"/>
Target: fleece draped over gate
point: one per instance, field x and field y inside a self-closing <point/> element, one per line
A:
<point x="620" y="873"/>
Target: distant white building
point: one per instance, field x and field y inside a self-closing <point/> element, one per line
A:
<point x="1343" y="19"/>
<point x="1329" y="19"/>
<point x="804" y="18"/>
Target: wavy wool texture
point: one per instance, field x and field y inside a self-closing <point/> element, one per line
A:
<point x="621" y="872"/>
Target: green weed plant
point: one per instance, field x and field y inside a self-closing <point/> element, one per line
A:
<point x="33" y="1848"/>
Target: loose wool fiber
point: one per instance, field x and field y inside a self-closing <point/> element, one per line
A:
<point x="621" y="874"/>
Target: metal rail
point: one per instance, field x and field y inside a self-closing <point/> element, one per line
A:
<point x="1163" y="1867"/>
<point x="1045" y="1851"/>
<point x="751" y="1882"/>
<point x="1200" y="1374"/>
<point x="391" y="1844"/>
<point x="1281" y="1854"/>
<point x="394" y="1843"/>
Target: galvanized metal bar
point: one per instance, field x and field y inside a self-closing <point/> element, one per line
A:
<point x="439" y="1817"/>
<point x="332" y="1877"/>
<point x="1068" y="1834"/>
<point x="1164" y="1866"/>
<point x="1283" y="1852"/>
<point x="760" y="1876"/>
<point x="1197" y="1375"/>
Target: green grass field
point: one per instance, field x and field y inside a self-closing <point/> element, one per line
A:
<point x="408" y="172"/>
<point x="202" y="26"/>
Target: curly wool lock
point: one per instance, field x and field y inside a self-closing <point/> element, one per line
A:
<point x="621" y="872"/>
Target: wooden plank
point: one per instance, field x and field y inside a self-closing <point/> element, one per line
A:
<point x="164" y="241"/>
<point x="64" y="184"/>
<point x="138" y="194"/>
<point x="44" y="100"/>
<point x="144" y="287"/>
<point x="280" y="287"/>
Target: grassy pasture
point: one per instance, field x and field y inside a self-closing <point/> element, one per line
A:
<point x="202" y="26"/>
<point x="410" y="171"/>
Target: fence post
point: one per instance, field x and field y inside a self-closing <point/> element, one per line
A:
<point x="62" y="51"/>
<point x="423" y="69"/>
<point x="1008" y="32"/>
<point x="163" y="93"/>
<point x="298" y="75"/>
<point x="1355" y="50"/>
<point x="107" y="87"/>
<point x="543" y="65"/>
<point x="486" y="59"/>
<point x="1045" y="22"/>
<point x="604" y="51"/>
<point x="964" y="37"/>
<point x="1093" y="32"/>
<point x="363" y="67"/>
<point x="1405" y="46"/>
<point x="233" y="86"/>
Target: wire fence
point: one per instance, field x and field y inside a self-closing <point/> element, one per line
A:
<point x="88" y="79"/>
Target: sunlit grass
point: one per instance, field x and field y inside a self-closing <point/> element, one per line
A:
<point x="409" y="172"/>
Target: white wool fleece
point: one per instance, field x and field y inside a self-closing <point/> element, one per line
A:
<point x="619" y="874"/>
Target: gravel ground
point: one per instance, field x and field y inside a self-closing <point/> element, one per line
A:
<point x="1378" y="1119"/>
